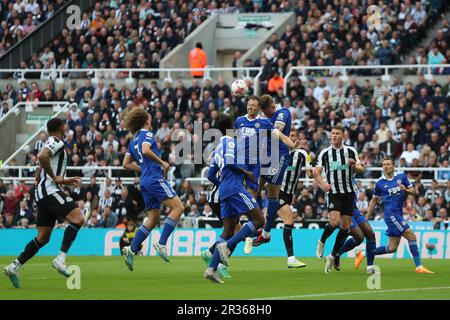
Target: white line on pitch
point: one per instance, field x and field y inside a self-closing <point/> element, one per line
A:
<point x="350" y="293"/>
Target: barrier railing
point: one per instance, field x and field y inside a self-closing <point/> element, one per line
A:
<point x="22" y="175"/>
<point x="344" y="71"/>
<point x="436" y="171"/>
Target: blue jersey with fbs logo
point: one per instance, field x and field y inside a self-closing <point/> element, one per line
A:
<point x="393" y="198"/>
<point x="150" y="169"/>
<point x="251" y="134"/>
<point x="391" y="194"/>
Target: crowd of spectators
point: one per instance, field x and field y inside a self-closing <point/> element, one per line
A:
<point x="19" y="18"/>
<point x="138" y="34"/>
<point x="409" y="122"/>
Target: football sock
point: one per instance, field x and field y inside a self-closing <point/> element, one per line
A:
<point x="340" y="239"/>
<point x="370" y="254"/>
<point x="216" y="256"/>
<point x="415" y="252"/>
<point x="69" y="236"/>
<point x="169" y="226"/>
<point x="327" y="232"/>
<point x="272" y="212"/>
<point x="247" y="230"/>
<point x="141" y="234"/>
<point x="287" y="237"/>
<point x="381" y="250"/>
<point x="30" y="250"/>
<point x="348" y="245"/>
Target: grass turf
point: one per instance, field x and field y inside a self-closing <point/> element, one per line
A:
<point x="253" y="277"/>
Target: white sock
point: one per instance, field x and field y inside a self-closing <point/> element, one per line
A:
<point x="292" y="259"/>
<point x="16" y="265"/>
<point x="265" y="234"/>
<point x="61" y="256"/>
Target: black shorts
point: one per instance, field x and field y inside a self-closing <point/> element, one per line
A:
<point x="284" y="199"/>
<point x="344" y="203"/>
<point x="52" y="207"/>
<point x="215" y="207"/>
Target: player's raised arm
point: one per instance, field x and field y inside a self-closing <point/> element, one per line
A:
<point x="283" y="138"/>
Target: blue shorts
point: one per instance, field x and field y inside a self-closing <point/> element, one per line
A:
<point x="155" y="192"/>
<point x="278" y="175"/>
<point x="357" y="219"/>
<point x="237" y="204"/>
<point x="396" y="225"/>
<point x="253" y="168"/>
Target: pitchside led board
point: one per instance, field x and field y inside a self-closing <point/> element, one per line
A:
<point x="433" y="244"/>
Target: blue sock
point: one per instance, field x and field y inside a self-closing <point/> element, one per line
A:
<point x="140" y="237"/>
<point x="271" y="214"/>
<point x="348" y="245"/>
<point x="259" y="201"/>
<point x="415" y="252"/>
<point x="216" y="257"/>
<point x="246" y="230"/>
<point x="370" y="254"/>
<point x="169" y="225"/>
<point x="381" y="250"/>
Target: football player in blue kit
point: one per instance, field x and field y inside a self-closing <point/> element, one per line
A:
<point x="235" y="200"/>
<point x="273" y="173"/>
<point x="253" y="135"/>
<point x="392" y="189"/>
<point x="143" y="149"/>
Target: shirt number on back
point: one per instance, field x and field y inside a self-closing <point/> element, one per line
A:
<point x="141" y="159"/>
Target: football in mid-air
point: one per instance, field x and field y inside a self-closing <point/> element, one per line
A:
<point x="239" y="88"/>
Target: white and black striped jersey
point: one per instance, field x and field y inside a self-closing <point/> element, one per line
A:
<point x="58" y="162"/>
<point x="106" y="202"/>
<point x="335" y="163"/>
<point x="298" y="159"/>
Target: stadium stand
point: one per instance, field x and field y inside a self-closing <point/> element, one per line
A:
<point x="409" y="121"/>
<point x="20" y="18"/>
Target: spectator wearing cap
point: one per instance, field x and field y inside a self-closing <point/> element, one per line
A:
<point x="197" y="59"/>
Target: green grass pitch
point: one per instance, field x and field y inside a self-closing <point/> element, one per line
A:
<point x="253" y="278"/>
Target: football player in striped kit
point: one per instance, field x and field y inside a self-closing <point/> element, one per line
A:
<point x="52" y="203"/>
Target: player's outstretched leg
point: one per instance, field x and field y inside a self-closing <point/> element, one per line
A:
<point x="176" y="210"/>
<point x="355" y="240"/>
<point x="287" y="215"/>
<point x="255" y="222"/>
<point x="345" y="222"/>
<point x="76" y="220"/>
<point x="211" y="272"/>
<point x="412" y="243"/>
<point x="12" y="270"/>
<point x="141" y="234"/>
<point x="327" y="232"/>
<point x="273" y="193"/>
<point x="370" y="246"/>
